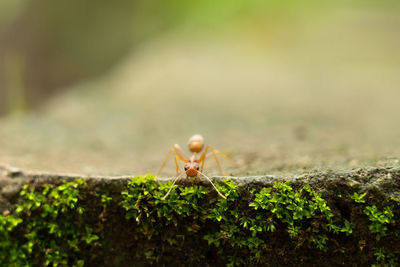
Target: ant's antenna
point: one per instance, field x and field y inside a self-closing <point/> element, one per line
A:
<point x="219" y="193"/>
<point x="172" y="186"/>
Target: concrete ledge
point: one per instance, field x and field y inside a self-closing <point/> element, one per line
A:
<point x="385" y="180"/>
<point x="124" y="242"/>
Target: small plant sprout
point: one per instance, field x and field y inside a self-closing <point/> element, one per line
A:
<point x="193" y="165"/>
<point x="358" y="198"/>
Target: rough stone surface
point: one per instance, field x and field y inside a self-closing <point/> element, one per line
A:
<point x="383" y="181"/>
<point x="119" y="249"/>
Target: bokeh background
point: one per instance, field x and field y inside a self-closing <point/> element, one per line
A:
<point x="282" y="86"/>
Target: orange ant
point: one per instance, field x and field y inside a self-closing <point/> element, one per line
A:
<point x="192" y="164"/>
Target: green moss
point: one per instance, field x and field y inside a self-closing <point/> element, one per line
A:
<point x="50" y="228"/>
<point x="74" y="224"/>
<point x="232" y="228"/>
<point x="384" y="257"/>
<point x="304" y="212"/>
<point x="10" y="252"/>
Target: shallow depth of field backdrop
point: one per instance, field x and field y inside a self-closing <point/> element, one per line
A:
<point x="282" y="86"/>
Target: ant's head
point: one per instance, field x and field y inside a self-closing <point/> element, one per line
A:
<point x="191" y="169"/>
<point x="196" y="143"/>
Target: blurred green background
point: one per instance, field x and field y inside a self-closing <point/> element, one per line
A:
<point x="46" y="45"/>
<point x="100" y="86"/>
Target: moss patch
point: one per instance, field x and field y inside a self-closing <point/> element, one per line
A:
<point x="85" y="223"/>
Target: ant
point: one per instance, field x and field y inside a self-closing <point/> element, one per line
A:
<point x="193" y="165"/>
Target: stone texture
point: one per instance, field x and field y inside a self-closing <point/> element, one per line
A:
<point x="383" y="181"/>
<point x="119" y="248"/>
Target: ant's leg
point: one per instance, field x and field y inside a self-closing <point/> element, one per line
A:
<point x="172" y="186"/>
<point x="178" y="155"/>
<point x="219" y="193"/>
<point x="220" y="153"/>
<point x="204" y="156"/>
<point x="178" y="169"/>
<point x="181" y="152"/>
<point x="202" y="160"/>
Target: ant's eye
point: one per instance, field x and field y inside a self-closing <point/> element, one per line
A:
<point x="198" y="168"/>
<point x="185" y="168"/>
